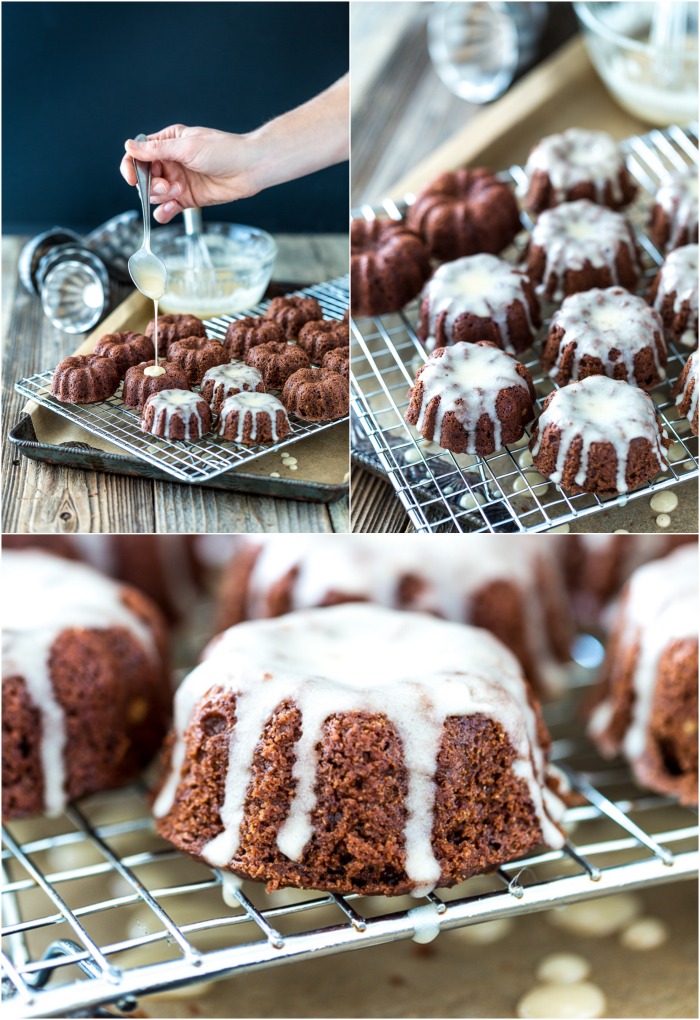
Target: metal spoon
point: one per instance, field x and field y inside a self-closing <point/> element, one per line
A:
<point x="147" y="271"/>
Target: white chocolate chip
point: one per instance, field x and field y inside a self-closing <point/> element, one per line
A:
<point x="675" y="453"/>
<point x="621" y="531"/>
<point x="664" y="502"/>
<point x="274" y="474"/>
<point x="561" y="529"/>
<point x="578" y="1000"/>
<point x="525" y="459"/>
<point x="646" y="933"/>
<point x="563" y="968"/>
<point x="471" y="500"/>
<point x="531" y="480"/>
<point x="598" y="917"/>
<point x="485" y="933"/>
<point x="663" y="521"/>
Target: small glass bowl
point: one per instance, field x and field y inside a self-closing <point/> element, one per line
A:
<point x="242" y="259"/>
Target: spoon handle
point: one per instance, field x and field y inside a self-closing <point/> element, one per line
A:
<point x="143" y="184"/>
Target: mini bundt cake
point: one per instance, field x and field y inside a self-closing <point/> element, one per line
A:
<point x="599" y="435"/>
<point x="196" y="355"/>
<point x="253" y="418"/>
<point x="686" y="391"/>
<point x="580" y="245"/>
<point x="174" y="327"/>
<point x="317" y="338"/>
<point x="471" y="398"/>
<point x="337" y="360"/>
<point x="388" y="266"/>
<point x="316" y="394"/>
<point x="124" y="350"/>
<point x="392" y="753"/>
<point x="465" y="212"/>
<point x="674" y="216"/>
<point x="674" y="294"/>
<point x="224" y="381"/>
<point x="86" y="693"/>
<point x="477" y="298"/>
<point x="84" y="379"/>
<point x="291" y="313"/>
<point x="577" y="164"/>
<point x="243" y="334"/>
<point x="513" y="589"/>
<point x="606" y="332"/>
<point x="176" y="414"/>
<point x="277" y="361"/>
<point x="648" y="707"/>
<point x="147" y="378"/>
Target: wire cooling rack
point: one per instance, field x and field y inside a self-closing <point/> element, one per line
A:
<point x="209" y="456"/>
<point x="442" y="491"/>
<point x="98" y="910"/>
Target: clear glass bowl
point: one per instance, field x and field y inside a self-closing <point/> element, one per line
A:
<point x="242" y="259"/>
<point x="657" y="85"/>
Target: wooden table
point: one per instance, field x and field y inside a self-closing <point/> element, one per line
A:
<point x="46" y="498"/>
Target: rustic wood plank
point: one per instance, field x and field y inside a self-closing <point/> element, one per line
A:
<point x="374" y="506"/>
<point x="339" y="513"/>
<point x="195" y="510"/>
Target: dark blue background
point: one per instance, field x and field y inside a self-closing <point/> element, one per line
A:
<point x="79" y="78"/>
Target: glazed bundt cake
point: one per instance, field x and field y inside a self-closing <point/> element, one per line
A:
<point x="388" y="266"/>
<point x="686" y="391"/>
<point x="606" y="332"/>
<point x="317" y="338"/>
<point x="176" y="414"/>
<point x="648" y="708"/>
<point x="291" y="313"/>
<point x="224" y="381"/>
<point x="147" y="378"/>
<point x="674" y="216"/>
<point x="174" y="327"/>
<point x="251" y="418"/>
<point x="124" y="350"/>
<point x="577" y="164"/>
<point x="84" y="379"/>
<point x="337" y="360"/>
<point x="513" y="589"/>
<point x="477" y="298"/>
<point x="243" y="334"/>
<point x="580" y="245"/>
<point x="316" y="394"/>
<point x="599" y="435"/>
<point x="471" y="398"/>
<point x="674" y="294"/>
<point x="195" y="355"/>
<point x="392" y="753"/>
<point x="86" y="695"/>
<point x="277" y="361"/>
<point x="465" y="212"/>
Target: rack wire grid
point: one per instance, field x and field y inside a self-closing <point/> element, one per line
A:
<point x="209" y="456"/>
<point x="442" y="491"/>
<point x="98" y="910"/>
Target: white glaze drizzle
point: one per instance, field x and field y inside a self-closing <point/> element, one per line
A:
<point x="169" y="404"/>
<point x="482" y="285"/>
<point x="600" y="410"/>
<point x="600" y="320"/>
<point x="576" y="232"/>
<point x="416" y="671"/>
<point x="691" y="387"/>
<point x="678" y="197"/>
<point x="251" y="407"/>
<point x="679" y="276"/>
<point x="574" y="157"/>
<point x="50" y="595"/>
<point x="236" y="377"/>
<point x="468" y="378"/>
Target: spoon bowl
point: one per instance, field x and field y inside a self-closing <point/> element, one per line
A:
<point x="146" y="270"/>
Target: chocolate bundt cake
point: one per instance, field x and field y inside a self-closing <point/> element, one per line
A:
<point x="337" y="360"/>
<point x="317" y="338"/>
<point x="577" y="164"/>
<point x="316" y="394"/>
<point x="674" y="294"/>
<point x="513" y="589"/>
<point x="84" y="379"/>
<point x="174" y="327"/>
<point x="253" y="418"/>
<point x="124" y="350"/>
<point x="606" y="332"/>
<point x="599" y="435"/>
<point x="291" y="313"/>
<point x="176" y="414"/>
<point x="147" y="378"/>
<point x="471" y="398"/>
<point x="243" y="334"/>
<point x="648" y="707"/>
<point x="674" y="216"/>
<point x="580" y="245"/>
<point x="388" y="266"/>
<point x="277" y="361"/>
<point x="464" y="213"/>
<point x="392" y="753"/>
<point x="686" y="391"/>
<point x="196" y="355"/>
<point x="224" y="381"/>
<point x="477" y="298"/>
<point x="86" y="694"/>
